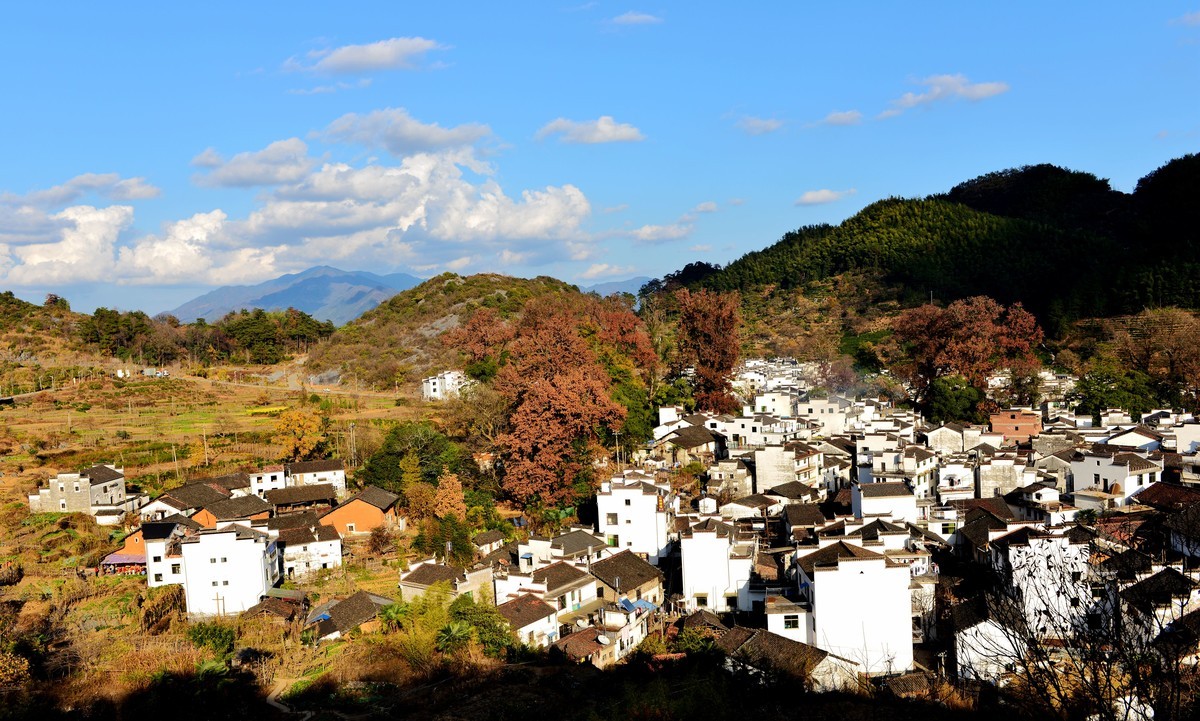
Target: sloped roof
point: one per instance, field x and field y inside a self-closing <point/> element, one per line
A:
<point x="792" y="489"/>
<point x="704" y="618"/>
<point x="483" y="539"/>
<point x="229" y="481"/>
<point x="240" y="507"/>
<point x="356" y="610"/>
<point x="1168" y="496"/>
<point x="428" y="574"/>
<point x="765" y="650"/>
<point x="1158" y="590"/>
<point x="377" y="497"/>
<point x="803" y="514"/>
<point x="101" y="474"/>
<point x="627" y="566"/>
<point x="314" y="466"/>
<point x="831" y="554"/>
<point x="293" y="520"/>
<point x="581" y="644"/>
<point x="315" y="493"/>
<point x="524" y="610"/>
<point x="888" y="489"/>
<point x="308" y="534"/>
<point x="871" y="531"/>
<point x="558" y="575"/>
<point x="692" y="437"/>
<point x="992" y="504"/>
<point x="576" y="542"/>
<point x="193" y="495"/>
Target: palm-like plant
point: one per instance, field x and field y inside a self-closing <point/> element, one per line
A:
<point x="453" y="635"/>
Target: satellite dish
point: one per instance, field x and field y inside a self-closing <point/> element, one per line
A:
<point x="603" y="640"/>
<point x="582" y="623"/>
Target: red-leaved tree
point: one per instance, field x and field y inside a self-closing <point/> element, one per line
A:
<point x="708" y="340"/>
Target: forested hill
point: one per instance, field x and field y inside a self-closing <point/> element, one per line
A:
<point x="1062" y="242"/>
<point x="401" y="337"/>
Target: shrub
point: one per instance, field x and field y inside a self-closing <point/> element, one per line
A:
<point x="214" y="636"/>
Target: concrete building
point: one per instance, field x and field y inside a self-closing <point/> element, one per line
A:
<point x="637" y="513"/>
<point x="98" y="491"/>
<point x="227" y="570"/>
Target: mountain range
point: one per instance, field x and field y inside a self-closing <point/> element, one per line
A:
<point x="330" y="294"/>
<point x="323" y="292"/>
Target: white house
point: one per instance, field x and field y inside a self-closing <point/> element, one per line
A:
<point x="227" y="570"/>
<point x="311" y="473"/>
<point x="532" y="620"/>
<point x="861" y="606"/>
<point x="164" y="557"/>
<point x="775" y="465"/>
<point x="307" y="549"/>
<point x="268" y="478"/>
<point x="989" y="639"/>
<point x="98" y="491"/>
<point x="717" y="562"/>
<point x="1120" y="474"/>
<point x="1047" y="574"/>
<point x="444" y="385"/>
<point x="637" y="513"/>
<point x="893" y="500"/>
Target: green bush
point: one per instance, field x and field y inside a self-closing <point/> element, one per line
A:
<point x="213" y="636"/>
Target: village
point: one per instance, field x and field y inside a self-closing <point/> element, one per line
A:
<point x="843" y="541"/>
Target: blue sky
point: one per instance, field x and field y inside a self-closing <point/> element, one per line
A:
<point x="151" y="153"/>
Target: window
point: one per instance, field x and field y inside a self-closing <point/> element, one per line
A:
<point x="214" y="583"/>
<point x="224" y="560"/>
<point x="175" y="568"/>
<point x="628" y="544"/>
<point x="158" y="578"/>
<point x="212" y="560"/>
<point x="614" y="540"/>
<point x="628" y="502"/>
<point x="224" y="583"/>
<point x="349" y="528"/>
<point x="628" y="520"/>
<point x="1095" y="478"/>
<point x="62" y="505"/>
<point x="702" y="600"/>
<point x="791" y="620"/>
<point x="611" y="519"/>
<point x="158" y="559"/>
<point x="731" y="601"/>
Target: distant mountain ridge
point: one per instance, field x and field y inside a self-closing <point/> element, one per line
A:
<point x="323" y="292"/>
<point x="631" y="286"/>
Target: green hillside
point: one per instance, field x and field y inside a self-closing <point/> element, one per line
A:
<point x="1063" y="243"/>
<point x="400" y="339"/>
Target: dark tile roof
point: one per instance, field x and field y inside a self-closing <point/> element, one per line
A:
<point x="308" y="534"/>
<point x="431" y="573"/>
<point x="711" y="525"/>
<point x="910" y="685"/>
<point x="314" y="466"/>
<point x="1158" y="590"/>
<point x="803" y="514"/>
<point x="377" y="497"/>
<point x="993" y="505"/>
<point x="977" y="530"/>
<point x="893" y="489"/>
<point x="524" y="610"/>
<point x="792" y="489"/>
<point x="1168" y="496"/>
<point x="576" y="542"/>
<point x="704" y="618"/>
<point x="101" y="474"/>
<point x="830" y="555"/>
<point x="277" y="607"/>
<point x="580" y="645"/>
<point x="558" y="575"/>
<point x="241" y="507"/>
<point x="316" y="493"/>
<point x="871" y="531"/>
<point x="155" y="530"/>
<point x="356" y="610"/>
<point x="692" y="437"/>
<point x="293" y="520"/>
<point x="627" y="566"/>
<point x="765" y="650"/>
<point x="229" y="481"/>
<point x="193" y="495"/>
<point x="1185" y="523"/>
<point x="756" y="500"/>
<point x="483" y="539"/>
<point x="1127" y="565"/>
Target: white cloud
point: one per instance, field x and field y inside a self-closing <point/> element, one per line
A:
<point x="759" y="126"/>
<point x="604" y="270"/>
<point x="81" y="251"/>
<point x="284" y="161"/>
<point x="106" y="185"/>
<point x="1188" y="19"/>
<point x="615" y="209"/>
<point x="208" y="158"/>
<point x="707" y="206"/>
<point x="843" y="117"/>
<point x="703" y="248"/>
<point x="602" y="130"/>
<point x="945" y="87"/>
<point x="633" y="17"/>
<point x="390" y="54"/>
<point x="819" y="197"/>
<point x="660" y="233"/>
<point x="326" y="89"/>
<point x="399" y="133"/>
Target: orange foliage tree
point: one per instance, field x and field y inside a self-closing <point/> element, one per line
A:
<point x="972" y="338"/>
<point x="709" y="341"/>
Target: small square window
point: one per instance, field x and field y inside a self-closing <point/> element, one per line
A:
<point x="214" y="583"/>
<point x="224" y="560"/>
<point x="791" y="621"/>
<point x="628" y="502"/>
<point x="158" y="559"/>
<point x="224" y="583"/>
<point x="158" y="578"/>
<point x="212" y="560"/>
